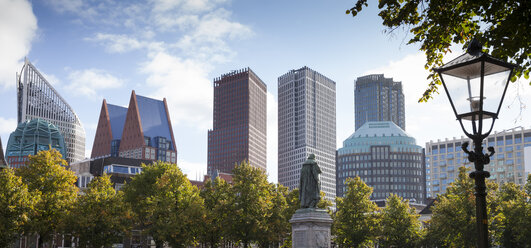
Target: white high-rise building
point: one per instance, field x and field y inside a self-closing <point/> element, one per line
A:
<point x="510" y="163"/>
<point x="36" y="98"/>
<point x="306" y="125"/>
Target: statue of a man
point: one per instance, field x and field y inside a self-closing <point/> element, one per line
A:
<point x="310" y="186"/>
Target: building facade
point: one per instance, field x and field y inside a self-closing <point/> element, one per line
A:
<point x="306" y="125"/>
<point x="29" y="138"/>
<point x="121" y="170"/>
<point x="510" y="163"/>
<point x="36" y="98"/>
<point x="239" y="130"/>
<point x="387" y="159"/>
<point x="141" y="131"/>
<point x="377" y="98"/>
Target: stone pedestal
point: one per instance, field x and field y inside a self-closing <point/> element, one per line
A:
<point x="310" y="228"/>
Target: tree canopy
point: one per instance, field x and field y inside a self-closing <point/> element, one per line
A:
<point x="47" y="178"/>
<point x="502" y="26"/>
<point x="16" y="206"/>
<point x="400" y="224"/>
<point x="164" y="204"/>
<point x="98" y="218"/>
<point x="356" y="222"/>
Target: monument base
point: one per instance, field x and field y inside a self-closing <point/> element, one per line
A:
<point x="310" y="228"/>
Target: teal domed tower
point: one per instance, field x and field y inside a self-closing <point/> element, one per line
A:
<point x="386" y="158"/>
<point x="29" y="138"/>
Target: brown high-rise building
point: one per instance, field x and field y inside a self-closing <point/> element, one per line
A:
<point x="240" y="122"/>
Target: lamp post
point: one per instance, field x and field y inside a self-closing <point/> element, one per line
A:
<point x="475" y="84"/>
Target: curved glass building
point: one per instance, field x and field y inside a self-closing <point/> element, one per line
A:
<point x="385" y="158"/>
<point x="29" y="138"/>
<point x="36" y="98"/>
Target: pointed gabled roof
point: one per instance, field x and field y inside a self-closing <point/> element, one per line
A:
<point x="155" y="118"/>
<point x="103" y="137"/>
<point x="132" y="135"/>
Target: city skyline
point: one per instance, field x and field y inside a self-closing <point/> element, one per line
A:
<point x="91" y="52"/>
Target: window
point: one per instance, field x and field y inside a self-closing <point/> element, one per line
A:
<point x="517" y="138"/>
<point x="499" y="141"/>
<point x="458" y="147"/>
<point x="508" y="140"/>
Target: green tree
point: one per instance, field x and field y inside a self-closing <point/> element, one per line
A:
<point x="528" y="185"/>
<point x="178" y="208"/>
<point x="400" y="226"/>
<point x="99" y="217"/>
<point x="277" y="223"/>
<point x="16" y="205"/>
<point x="453" y="223"/>
<point x="512" y="221"/>
<point x="157" y="204"/>
<point x="357" y="220"/>
<point x="501" y="25"/>
<point x="251" y="205"/>
<point x="46" y="176"/>
<point x="217" y="197"/>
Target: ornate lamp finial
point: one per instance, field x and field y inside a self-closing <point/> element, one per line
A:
<point x="474" y="48"/>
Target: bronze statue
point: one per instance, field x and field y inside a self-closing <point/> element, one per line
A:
<point x="310" y="186"/>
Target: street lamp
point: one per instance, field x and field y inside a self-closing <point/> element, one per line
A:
<point x="475" y="84"/>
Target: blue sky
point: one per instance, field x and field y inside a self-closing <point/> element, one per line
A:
<point x="90" y="50"/>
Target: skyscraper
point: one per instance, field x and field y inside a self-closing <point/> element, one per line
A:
<point x="36" y="98"/>
<point x="377" y="98"/>
<point x="141" y="131"/>
<point x="306" y="125"/>
<point x="385" y="158"/>
<point x="240" y="122"/>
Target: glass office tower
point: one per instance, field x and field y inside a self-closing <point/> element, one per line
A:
<point x="377" y="98"/>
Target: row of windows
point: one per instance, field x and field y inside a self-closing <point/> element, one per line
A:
<point x="489" y="142"/>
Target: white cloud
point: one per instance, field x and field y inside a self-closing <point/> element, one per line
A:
<point x="272" y="138"/>
<point x="19" y="27"/>
<point x="7" y="126"/>
<point x="207" y="38"/>
<point x="115" y="43"/>
<point x="194" y="6"/>
<point x="88" y="82"/>
<point x="185" y="85"/>
<point x="62" y="6"/>
<point x="194" y="171"/>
